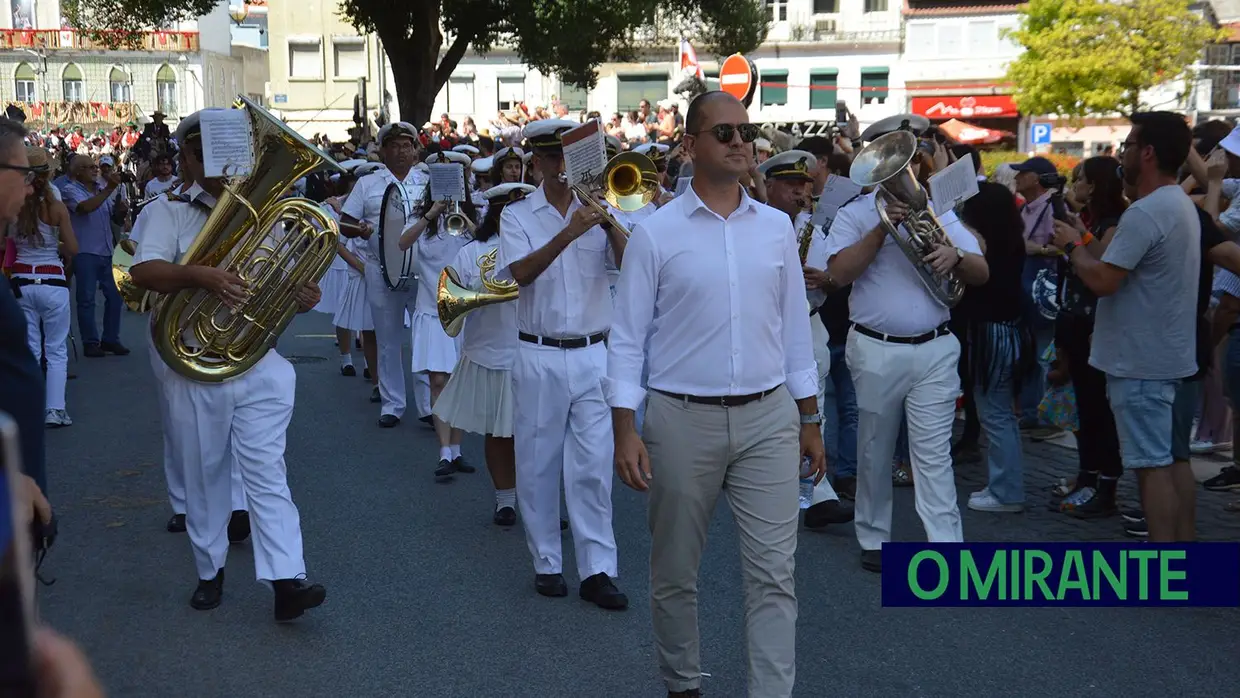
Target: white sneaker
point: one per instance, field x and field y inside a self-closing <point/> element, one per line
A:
<point x="64" y="418"/>
<point x="985" y="501"/>
<point x="56" y="418"/>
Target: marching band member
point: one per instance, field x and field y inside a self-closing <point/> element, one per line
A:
<point x="713" y="281"/>
<point x="507" y="166"/>
<point x="434" y="352"/>
<point x="479" y="397"/>
<point x="553" y="246"/>
<point x="480" y="171"/>
<point x="532" y="175"/>
<point x="350" y="310"/>
<point x="903" y="360"/>
<point x="657" y="152"/>
<point x="243" y="419"/>
<point x="398" y="147"/>
<point x="789" y="181"/>
<point x="467" y="150"/>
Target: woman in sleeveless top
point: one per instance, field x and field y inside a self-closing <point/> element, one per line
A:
<point x="40" y="280"/>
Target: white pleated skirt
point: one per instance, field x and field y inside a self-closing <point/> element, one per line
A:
<point x="433" y="349"/>
<point x="477" y="399"/>
<point x="353" y="312"/>
<point x="332" y="287"/>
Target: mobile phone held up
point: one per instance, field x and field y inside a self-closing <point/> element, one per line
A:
<point x="17" y="613"/>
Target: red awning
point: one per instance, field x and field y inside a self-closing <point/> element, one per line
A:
<point x="961" y="132"/>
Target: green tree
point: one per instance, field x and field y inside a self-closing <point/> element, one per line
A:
<point x="426" y="39"/>
<point x="1094" y="57"/>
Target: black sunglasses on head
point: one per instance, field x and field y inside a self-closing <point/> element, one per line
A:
<point x="725" y="132"/>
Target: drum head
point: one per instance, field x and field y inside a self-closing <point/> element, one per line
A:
<point x="394" y="263"/>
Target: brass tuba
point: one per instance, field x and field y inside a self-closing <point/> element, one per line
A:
<point x="455" y="301"/>
<point x="885" y="163"/>
<point x="275" y="244"/>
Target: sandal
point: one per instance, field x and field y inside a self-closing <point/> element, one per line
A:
<point x="901" y="476"/>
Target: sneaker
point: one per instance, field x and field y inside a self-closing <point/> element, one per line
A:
<point x="1137" y="529"/>
<point x="985" y="501"/>
<point x="1201" y="448"/>
<point x="1132" y="514"/>
<point x="1225" y="481"/>
<point x="54" y="419"/>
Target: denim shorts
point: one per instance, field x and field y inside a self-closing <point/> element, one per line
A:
<point x="1143" y="412"/>
<point x="1187" y="400"/>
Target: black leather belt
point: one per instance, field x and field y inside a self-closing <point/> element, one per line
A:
<point x="563" y="343"/>
<point x="895" y="339"/>
<point x="16" y="284"/>
<point x="720" y="400"/>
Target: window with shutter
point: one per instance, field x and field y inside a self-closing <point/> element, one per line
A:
<point x="350" y="59"/>
<point x="823" y="88"/>
<point x="304" y="60"/>
<point x="774" y="88"/>
<point x="461" y="95"/>
<point x="874" y="87"/>
<point x="511" y="92"/>
<point x="632" y="89"/>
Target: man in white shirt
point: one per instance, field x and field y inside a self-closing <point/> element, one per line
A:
<point x="399" y="151"/>
<point x="713" y="281"/>
<point x="245" y="418"/>
<point x="903" y="361"/>
<point x="554" y="247"/>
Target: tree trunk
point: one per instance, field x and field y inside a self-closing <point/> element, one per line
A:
<point x="417" y="71"/>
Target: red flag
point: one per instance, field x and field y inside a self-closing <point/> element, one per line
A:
<point x="688" y="60"/>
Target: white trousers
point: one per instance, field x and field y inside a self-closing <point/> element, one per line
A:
<point x="918" y="381"/>
<point x="388" y="310"/>
<point x="48" y="306"/>
<point x="174" y="471"/>
<point x="243" y="420"/>
<point x="823" y="491"/>
<point x="562" y="426"/>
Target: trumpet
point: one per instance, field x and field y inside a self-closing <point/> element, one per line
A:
<point x="454" y="222"/>
<point x="628" y="183"/>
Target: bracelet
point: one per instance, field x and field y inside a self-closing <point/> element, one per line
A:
<point x="1087" y="238"/>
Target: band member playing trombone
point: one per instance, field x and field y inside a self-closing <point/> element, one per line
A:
<point x="903" y="361"/>
<point x="553" y="246"/>
<point x="442" y="232"/>
<point x="398" y="147"/>
<point x="479" y="397"/>
<point x="244" y="418"/>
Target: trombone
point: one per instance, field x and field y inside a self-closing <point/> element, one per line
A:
<point x="628" y="183"/>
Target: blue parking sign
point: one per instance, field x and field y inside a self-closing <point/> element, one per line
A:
<point x="1040" y="134"/>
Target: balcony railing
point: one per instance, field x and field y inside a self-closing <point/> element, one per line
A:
<point x="67" y="39"/>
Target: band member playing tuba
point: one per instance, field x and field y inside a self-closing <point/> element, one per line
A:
<point x="903" y="361"/>
<point x="244" y="418"/>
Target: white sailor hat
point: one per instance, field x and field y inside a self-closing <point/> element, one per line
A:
<point x="506" y="153"/>
<point x="545" y="134"/>
<point x="366" y="168"/>
<point x="398" y="129"/>
<point x="507" y="193"/>
<point x="913" y="122"/>
<point x="448" y="156"/>
<point x="655" y="151"/>
<point x="467" y="149"/>
<point x="422" y="167"/>
<point x="792" y="164"/>
<point x="353" y="164"/>
<point x="525" y="157"/>
<point x="613" y="144"/>
<point x="482" y="165"/>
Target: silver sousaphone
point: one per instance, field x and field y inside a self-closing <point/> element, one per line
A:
<point x="395" y="263"/>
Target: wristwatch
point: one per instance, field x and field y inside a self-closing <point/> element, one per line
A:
<point x="811" y="419"/>
<point x="959" y="255"/>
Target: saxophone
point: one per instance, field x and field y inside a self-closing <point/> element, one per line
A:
<point x="804" y="237"/>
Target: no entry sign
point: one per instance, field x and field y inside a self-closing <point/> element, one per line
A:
<point x="738" y="76"/>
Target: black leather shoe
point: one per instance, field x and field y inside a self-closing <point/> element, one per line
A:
<point x="691" y="693"/>
<point x="563" y="525"/>
<point x="388" y="421"/>
<point x="94" y="351"/>
<point x="461" y="466"/>
<point x="296" y="596"/>
<point x="872" y="560"/>
<point x="366" y="373"/>
<point x="845" y="486"/>
<point x="445" y="471"/>
<point x="177" y="523"/>
<point x="114" y="348"/>
<point x="599" y="590"/>
<point x="209" y="592"/>
<point x="239" y="526"/>
<point x="823" y="514"/>
<point x="552" y="585"/>
<point x="348" y="370"/>
<point x="505" y="516"/>
<point x="427" y="420"/>
<point x="374" y="395"/>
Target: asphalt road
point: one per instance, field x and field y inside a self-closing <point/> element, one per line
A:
<point x="427" y="598"/>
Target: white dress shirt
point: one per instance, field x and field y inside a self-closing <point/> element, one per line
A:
<point x="722" y="302"/>
<point x="889" y="296"/>
<point x="489" y="337"/>
<point x="572" y="297"/>
<point x="433" y="253"/>
<point x="366" y="201"/>
<point x="165" y="229"/>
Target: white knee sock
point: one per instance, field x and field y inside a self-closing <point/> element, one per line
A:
<point x="505" y="498"/>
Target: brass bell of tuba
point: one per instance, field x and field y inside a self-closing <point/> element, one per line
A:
<point x="886" y="163"/>
<point x="455" y="301"/>
<point x="274" y="244"/>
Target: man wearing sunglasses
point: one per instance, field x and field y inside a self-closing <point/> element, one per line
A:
<point x="903" y="361"/>
<point x="712" y="284"/>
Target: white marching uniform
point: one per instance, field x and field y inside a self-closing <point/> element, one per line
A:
<point x="388" y="307"/>
<point x="332" y="285"/>
<point x="353" y="308"/>
<point x="479" y="396"/>
<point x="433" y="350"/>
<point x="214" y="426"/>
<point x="894" y="380"/>
<point x="562" y="423"/>
<point x="816" y="257"/>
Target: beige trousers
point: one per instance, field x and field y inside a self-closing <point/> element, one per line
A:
<point x="752" y="454"/>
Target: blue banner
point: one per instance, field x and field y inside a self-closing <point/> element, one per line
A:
<point x="1061" y="574"/>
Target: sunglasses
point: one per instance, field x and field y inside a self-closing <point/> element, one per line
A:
<point x="725" y="132"/>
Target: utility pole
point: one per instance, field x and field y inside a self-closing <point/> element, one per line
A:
<point x="383" y="93"/>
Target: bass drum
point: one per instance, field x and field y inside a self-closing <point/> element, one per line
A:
<point x="396" y="265"/>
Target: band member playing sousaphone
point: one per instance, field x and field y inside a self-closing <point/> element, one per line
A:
<point x="241" y="414"/>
